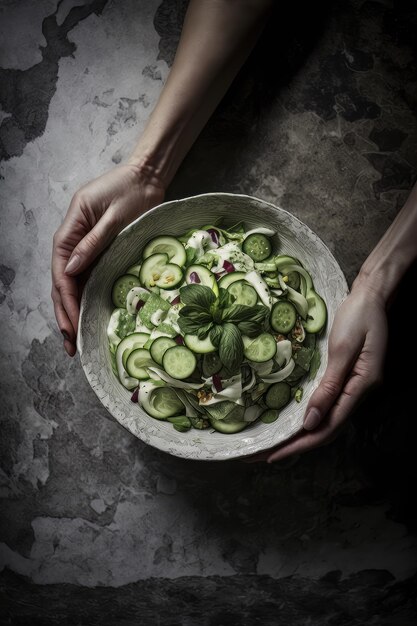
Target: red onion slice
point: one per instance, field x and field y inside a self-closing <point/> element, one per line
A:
<point x="176" y="300"/>
<point x="135" y="395"/>
<point x="179" y="340"/>
<point x="194" y="278"/>
<point x="217" y="382"/>
<point x="139" y="304"/>
<point x="214" y="235"/>
<point x="229" y="267"/>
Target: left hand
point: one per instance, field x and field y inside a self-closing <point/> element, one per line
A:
<point x="357" y="347"/>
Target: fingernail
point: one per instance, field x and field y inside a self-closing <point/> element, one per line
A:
<point x="73" y="264"/>
<point x="65" y="335"/>
<point x="312" y="419"/>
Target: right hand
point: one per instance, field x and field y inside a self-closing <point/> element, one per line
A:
<point x="97" y="213"/>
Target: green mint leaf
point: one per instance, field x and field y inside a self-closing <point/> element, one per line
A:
<point x="231" y="347"/>
<point x="216" y="334"/>
<point x="197" y="295"/>
<point x="225" y="299"/>
<point x="242" y="313"/>
<point x="204" y="330"/>
<point x="249" y="328"/>
<point x="195" y="313"/>
<point x="314" y="364"/>
<point x="187" y="326"/>
<point x="303" y="356"/>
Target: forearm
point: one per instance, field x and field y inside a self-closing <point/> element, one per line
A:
<point x="217" y="37"/>
<point x="393" y="255"/>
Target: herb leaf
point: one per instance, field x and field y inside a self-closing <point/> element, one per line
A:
<point x="231" y="347"/>
<point x="188" y="326"/>
<point x="249" y="328"/>
<point x="314" y="364"/>
<point x="216" y="334"/>
<point x="195" y="313"/>
<point x="225" y="299"/>
<point x="242" y="313"/>
<point x="204" y="330"/>
<point x="197" y="295"/>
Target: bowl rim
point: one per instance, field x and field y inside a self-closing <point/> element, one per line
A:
<point x="154" y="441"/>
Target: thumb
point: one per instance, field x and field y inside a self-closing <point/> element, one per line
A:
<point x="329" y="388"/>
<point x="93" y="243"/>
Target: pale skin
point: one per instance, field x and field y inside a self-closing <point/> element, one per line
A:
<point x="217" y="37"/>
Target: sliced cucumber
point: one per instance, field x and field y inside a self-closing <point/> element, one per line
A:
<point x="133" y="342"/>
<point x="233" y="277"/>
<point x="152" y="269"/>
<point x="293" y="280"/>
<point x="166" y="245"/>
<point x="227" y="427"/>
<point x="243" y="292"/>
<point x="161" y="402"/>
<point x="134" y="269"/>
<point x="317" y="313"/>
<point x="126" y="344"/>
<point x="211" y="364"/>
<point x="171" y="277"/>
<point x="205" y="277"/>
<point x="283" y="317"/>
<point x="200" y="346"/>
<point x="257" y="246"/>
<point x="282" y="260"/>
<point x="159" y="347"/>
<point x="261" y="349"/>
<point x="278" y="395"/>
<point x="179" y="362"/>
<point x="137" y="362"/>
<point x="269" y="416"/>
<point x="121" y="288"/>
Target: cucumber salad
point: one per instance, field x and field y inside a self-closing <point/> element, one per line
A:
<point x="214" y="329"/>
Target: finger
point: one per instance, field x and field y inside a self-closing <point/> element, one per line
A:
<point x="93" y="243"/>
<point x="70" y="348"/>
<point x="68" y="291"/>
<point x="326" y="394"/>
<point x="63" y="321"/>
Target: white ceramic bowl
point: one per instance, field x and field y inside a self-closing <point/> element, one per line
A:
<point x="174" y="218"/>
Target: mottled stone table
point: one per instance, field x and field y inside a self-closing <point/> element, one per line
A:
<point x="322" y="121"/>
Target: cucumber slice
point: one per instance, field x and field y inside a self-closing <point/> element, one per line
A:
<point x="233" y="277"/>
<point x="293" y="280"/>
<point x="257" y="246"/>
<point x="200" y="346"/>
<point x="283" y="317"/>
<point x="151" y="269"/>
<point x="317" y="313"/>
<point x="133" y="342"/>
<point x="269" y="416"/>
<point x="159" y="347"/>
<point x="137" y="362"/>
<point x="121" y="288"/>
<point x="126" y="344"/>
<point x="134" y="269"/>
<point x="243" y="292"/>
<point x="161" y="402"/>
<point x="226" y="427"/>
<point x="205" y="277"/>
<point x="211" y="364"/>
<point x="278" y="395"/>
<point x="282" y="260"/>
<point x="171" y="276"/>
<point x="166" y="245"/>
<point x="179" y="362"/>
<point x="261" y="349"/>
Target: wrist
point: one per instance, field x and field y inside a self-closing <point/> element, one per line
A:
<point x="380" y="276"/>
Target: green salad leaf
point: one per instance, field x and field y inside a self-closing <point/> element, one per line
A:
<point x="314" y="364"/>
<point x="197" y="295"/>
<point x="231" y="347"/>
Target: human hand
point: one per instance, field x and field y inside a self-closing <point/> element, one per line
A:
<point x="356" y="353"/>
<point x="97" y="213"/>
